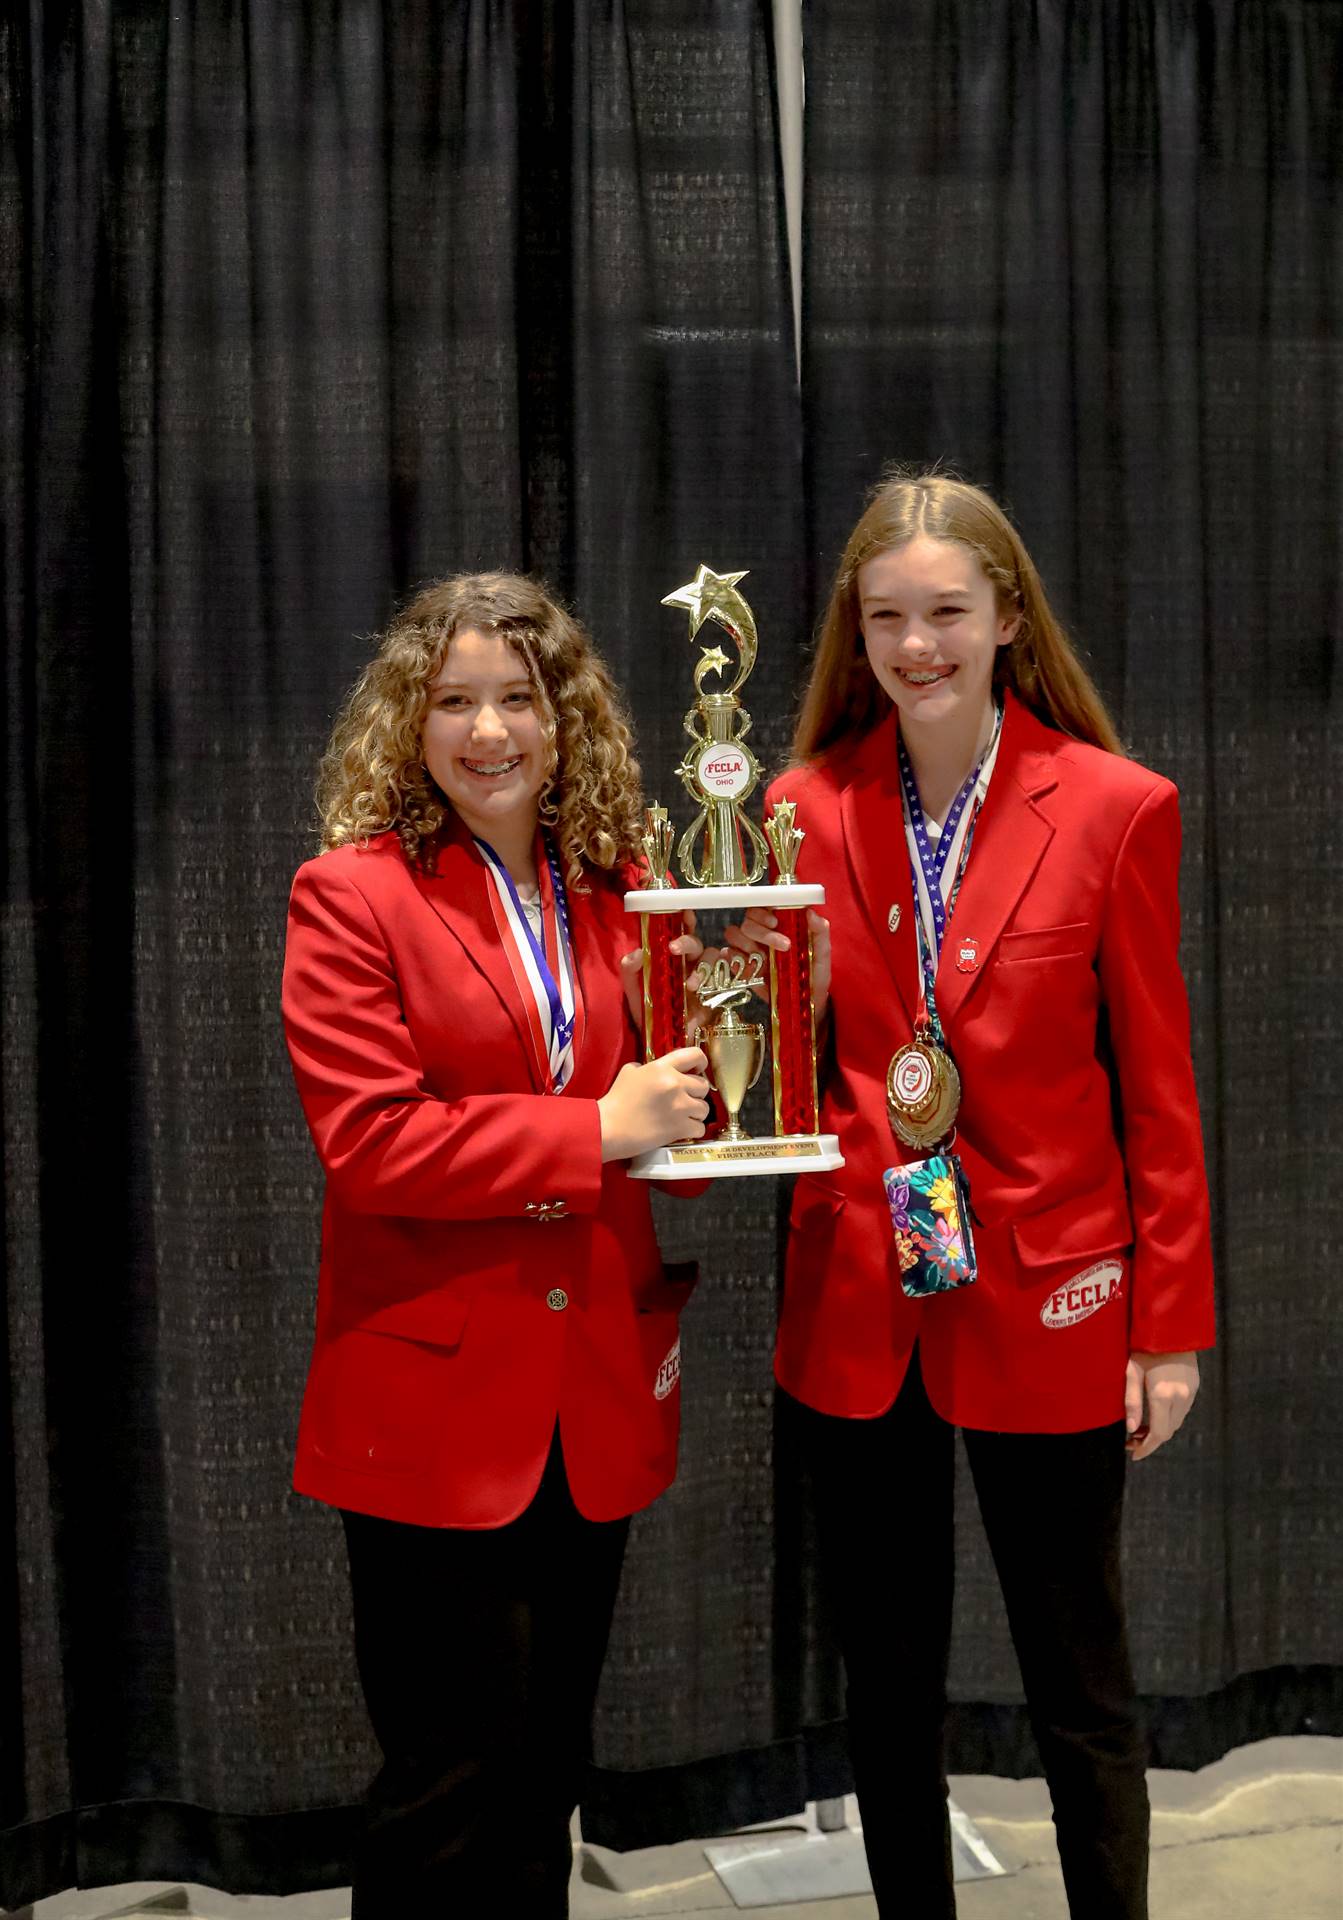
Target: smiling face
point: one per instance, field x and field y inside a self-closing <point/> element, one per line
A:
<point x="932" y="627"/>
<point x="484" y="741"/>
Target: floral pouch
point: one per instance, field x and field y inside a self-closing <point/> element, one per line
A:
<point x="930" y="1212"/>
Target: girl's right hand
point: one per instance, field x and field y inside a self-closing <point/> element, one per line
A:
<point x="652" y="1105"/>
<point x="759" y="931"/>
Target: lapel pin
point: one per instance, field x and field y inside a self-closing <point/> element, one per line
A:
<point x="967" y="955"/>
<point x="893" y="918"/>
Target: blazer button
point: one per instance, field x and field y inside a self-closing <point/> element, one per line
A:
<point x="557" y="1299"/>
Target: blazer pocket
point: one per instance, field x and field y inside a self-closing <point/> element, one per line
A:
<point x="1075" y="1230"/>
<point x="1045" y="943"/>
<point x="375" y="1406"/>
<point x="435" y="1319"/>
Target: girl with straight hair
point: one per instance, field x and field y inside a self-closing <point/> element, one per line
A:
<point x="1018" y="1242"/>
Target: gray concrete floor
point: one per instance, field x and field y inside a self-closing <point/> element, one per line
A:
<point x="1258" y="1836"/>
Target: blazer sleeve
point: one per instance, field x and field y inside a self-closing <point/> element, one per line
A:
<point x="386" y="1142"/>
<point x="1171" y="1302"/>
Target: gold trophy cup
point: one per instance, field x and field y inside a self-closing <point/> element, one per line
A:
<point x="736" y="1050"/>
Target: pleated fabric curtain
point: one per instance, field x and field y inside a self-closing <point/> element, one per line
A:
<point x="303" y="306"/>
<point x="1089" y="256"/>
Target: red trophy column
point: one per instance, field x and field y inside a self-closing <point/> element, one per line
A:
<point x="793" y="1027"/>
<point x="792" y="1011"/>
<point x="664" y="985"/>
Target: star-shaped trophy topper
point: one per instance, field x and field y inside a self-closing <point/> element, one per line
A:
<point x="714" y="596"/>
<point x="705" y="592"/>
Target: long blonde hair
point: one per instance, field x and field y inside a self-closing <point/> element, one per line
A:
<point x="844" y="698"/>
<point x="373" y="776"/>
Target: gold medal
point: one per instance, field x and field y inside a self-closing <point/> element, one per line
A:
<point x="923" y="1094"/>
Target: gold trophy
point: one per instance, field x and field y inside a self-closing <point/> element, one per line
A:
<point x="722" y="855"/>
<point x="736" y="1050"/>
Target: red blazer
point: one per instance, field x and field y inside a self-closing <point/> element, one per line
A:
<point x="482" y="1273"/>
<point x="1060" y="993"/>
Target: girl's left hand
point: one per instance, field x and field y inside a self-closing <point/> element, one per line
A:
<point x="1159" y="1390"/>
<point x="632" y="969"/>
<point x="759" y="931"/>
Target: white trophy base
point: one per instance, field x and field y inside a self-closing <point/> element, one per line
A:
<point x="732" y="1160"/>
<point x="674" y="899"/>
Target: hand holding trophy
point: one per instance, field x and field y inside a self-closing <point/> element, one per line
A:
<point x="722" y="854"/>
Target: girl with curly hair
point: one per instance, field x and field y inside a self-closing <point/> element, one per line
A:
<point x="1018" y="1243"/>
<point x="494" y="1383"/>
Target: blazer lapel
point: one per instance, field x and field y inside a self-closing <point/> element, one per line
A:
<point x="1011" y="835"/>
<point x="601" y="931"/>
<point x="874" y="839"/>
<point x="458" y="891"/>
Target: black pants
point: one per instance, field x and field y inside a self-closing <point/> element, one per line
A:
<point x="479" y="1654"/>
<point x="1051" y="1505"/>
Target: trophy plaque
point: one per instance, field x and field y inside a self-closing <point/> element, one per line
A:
<point x="722" y="855"/>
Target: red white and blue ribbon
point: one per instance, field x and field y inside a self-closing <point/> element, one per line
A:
<point x="938" y="872"/>
<point x="543" y="970"/>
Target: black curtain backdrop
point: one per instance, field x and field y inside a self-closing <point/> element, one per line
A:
<point x="305" y="305"/>
<point x="1090" y="256"/>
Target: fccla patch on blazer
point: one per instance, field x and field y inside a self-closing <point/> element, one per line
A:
<point x="668" y="1373"/>
<point x="1083" y="1295"/>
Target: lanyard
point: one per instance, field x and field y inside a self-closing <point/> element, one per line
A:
<point x="934" y="892"/>
<point x="543" y="969"/>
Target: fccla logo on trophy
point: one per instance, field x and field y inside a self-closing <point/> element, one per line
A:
<point x="724" y="770"/>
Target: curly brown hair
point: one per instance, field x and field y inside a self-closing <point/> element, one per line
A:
<point x="373" y="777"/>
<point x="843" y="697"/>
